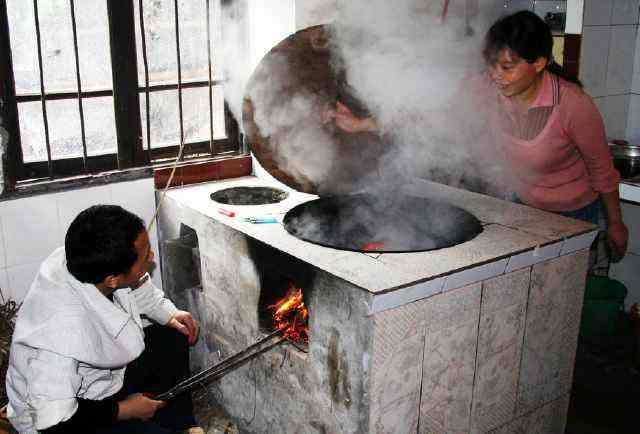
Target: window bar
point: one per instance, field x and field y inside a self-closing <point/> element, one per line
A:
<point x="175" y="4"/>
<point x="42" y="95"/>
<point x="143" y="39"/>
<point x="79" y="84"/>
<point x="211" y="143"/>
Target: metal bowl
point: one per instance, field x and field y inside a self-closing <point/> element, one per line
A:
<point x="626" y="159"/>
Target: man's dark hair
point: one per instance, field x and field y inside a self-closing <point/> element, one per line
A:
<point x="99" y="243"/>
<point x="527" y="35"/>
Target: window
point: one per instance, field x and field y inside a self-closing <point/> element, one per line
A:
<point x="96" y="85"/>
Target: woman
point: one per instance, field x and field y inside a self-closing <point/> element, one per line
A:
<point x="550" y="132"/>
<point x="553" y="135"/>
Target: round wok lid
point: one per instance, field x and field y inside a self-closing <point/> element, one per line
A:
<point x="364" y="222"/>
<point x="286" y="96"/>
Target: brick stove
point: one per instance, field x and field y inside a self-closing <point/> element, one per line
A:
<point x="478" y="337"/>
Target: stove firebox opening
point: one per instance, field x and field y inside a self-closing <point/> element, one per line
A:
<point x="281" y="305"/>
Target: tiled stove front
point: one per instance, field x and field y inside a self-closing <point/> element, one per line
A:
<point x="479" y="337"/>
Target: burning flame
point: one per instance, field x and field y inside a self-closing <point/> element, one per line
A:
<point x="291" y="316"/>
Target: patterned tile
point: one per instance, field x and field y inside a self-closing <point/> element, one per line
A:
<point x="548" y="419"/>
<point x="398" y="347"/>
<point x="551" y="333"/>
<point x="499" y="350"/>
<point x="449" y="360"/>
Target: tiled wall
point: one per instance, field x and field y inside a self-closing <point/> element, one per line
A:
<point x="610" y="71"/>
<point x="607" y="66"/>
<point x="32" y="227"/>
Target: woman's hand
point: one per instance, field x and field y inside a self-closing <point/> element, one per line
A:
<point x="138" y="406"/>
<point x="185" y="324"/>
<point x="617" y="237"/>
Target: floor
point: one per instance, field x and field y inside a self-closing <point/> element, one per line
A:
<point x="606" y="391"/>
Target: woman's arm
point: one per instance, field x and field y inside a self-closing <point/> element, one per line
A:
<point x="586" y="129"/>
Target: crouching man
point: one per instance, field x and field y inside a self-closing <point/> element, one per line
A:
<point x="94" y="333"/>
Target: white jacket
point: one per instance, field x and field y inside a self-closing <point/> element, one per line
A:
<point x="70" y="341"/>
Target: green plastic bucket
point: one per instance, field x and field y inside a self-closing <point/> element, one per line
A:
<point x="603" y="306"/>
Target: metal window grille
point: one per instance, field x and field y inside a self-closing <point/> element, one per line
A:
<point x="125" y="92"/>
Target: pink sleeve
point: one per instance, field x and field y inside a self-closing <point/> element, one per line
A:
<point x="585" y="127"/>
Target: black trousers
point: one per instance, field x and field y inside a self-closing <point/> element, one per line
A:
<point x="163" y="363"/>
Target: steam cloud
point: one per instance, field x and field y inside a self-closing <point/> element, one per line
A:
<point x="410" y="69"/>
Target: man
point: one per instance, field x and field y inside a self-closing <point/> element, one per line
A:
<point x="81" y="356"/>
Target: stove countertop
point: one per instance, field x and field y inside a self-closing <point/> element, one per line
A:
<point x="630" y="190"/>
<point x="513" y="235"/>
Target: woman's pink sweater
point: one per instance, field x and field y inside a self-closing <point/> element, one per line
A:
<point x="567" y="164"/>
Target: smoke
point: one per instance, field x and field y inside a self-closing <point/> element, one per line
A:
<point x="412" y="70"/>
<point x="407" y="66"/>
<point x="234" y="45"/>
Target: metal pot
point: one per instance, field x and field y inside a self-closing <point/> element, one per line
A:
<point x="626" y="159"/>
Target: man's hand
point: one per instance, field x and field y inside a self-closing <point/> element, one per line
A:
<point x="346" y="121"/>
<point x="350" y="123"/>
<point x="185" y="324"/>
<point x="138" y="406"/>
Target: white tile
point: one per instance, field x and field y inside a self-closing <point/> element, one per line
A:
<point x="531" y="257"/>
<point x="4" y="284"/>
<point x="31" y="229"/>
<point x="631" y="216"/>
<point x="616" y="111"/>
<point x="629" y="192"/>
<point x="593" y="65"/>
<point x="633" y="119"/>
<point x="20" y="279"/>
<point x="3" y="255"/>
<point x="626" y="271"/>
<point x="135" y="196"/>
<point x="635" y="81"/>
<point x="71" y="203"/>
<point x="406" y="295"/>
<point x="625" y="12"/>
<point x="597" y="12"/>
<point x="620" y="59"/>
<point x="578" y="242"/>
<point x="575" y="15"/>
<point x="475" y="274"/>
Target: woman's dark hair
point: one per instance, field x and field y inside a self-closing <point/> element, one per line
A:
<point x="99" y="243"/>
<point x="527" y="35"/>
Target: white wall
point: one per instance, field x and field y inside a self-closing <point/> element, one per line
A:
<point x="269" y="22"/>
<point x="607" y="59"/>
<point x="32" y="227"/>
<point x="610" y="71"/>
<point x="633" y="120"/>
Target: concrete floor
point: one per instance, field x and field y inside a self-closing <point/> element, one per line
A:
<point x="606" y="391"/>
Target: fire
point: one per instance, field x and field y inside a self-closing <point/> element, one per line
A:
<point x="291" y="316"/>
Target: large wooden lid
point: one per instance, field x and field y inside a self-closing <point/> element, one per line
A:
<point x="294" y="84"/>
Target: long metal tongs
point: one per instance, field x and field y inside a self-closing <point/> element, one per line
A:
<point x="224" y="367"/>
